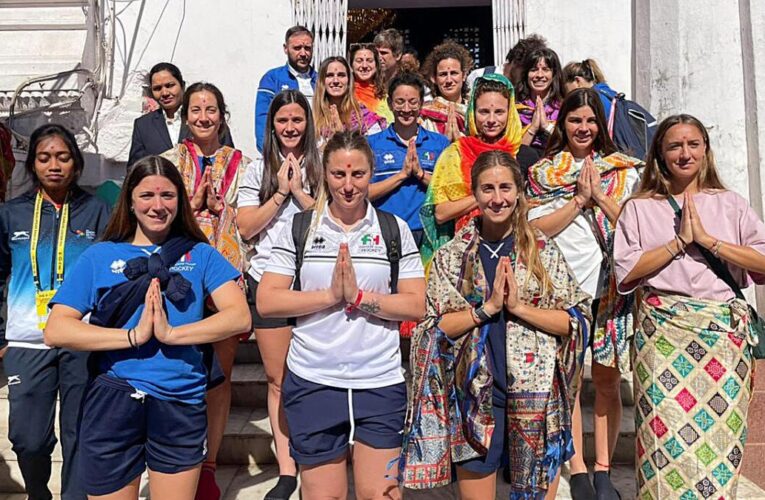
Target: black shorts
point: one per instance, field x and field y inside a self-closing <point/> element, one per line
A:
<point x="123" y="431"/>
<point x="259" y="322"/>
<point x="590" y="339"/>
<point x="321" y="425"/>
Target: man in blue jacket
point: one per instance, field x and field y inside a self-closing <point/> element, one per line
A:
<point x="297" y="74"/>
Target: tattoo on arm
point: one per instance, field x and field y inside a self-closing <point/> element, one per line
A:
<point x="371" y="307"/>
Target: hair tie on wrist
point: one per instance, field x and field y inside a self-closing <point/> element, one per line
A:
<point x="669" y="249"/>
<point x="716" y="248"/>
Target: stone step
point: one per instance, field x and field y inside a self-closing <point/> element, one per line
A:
<point x="249" y="386"/>
<point x="235" y="481"/>
<point x="247" y="439"/>
<point x="254" y="481"/>
<point x="624" y="454"/>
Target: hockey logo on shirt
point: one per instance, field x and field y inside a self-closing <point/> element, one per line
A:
<point x="118" y="266"/>
<point x="370" y="243"/>
<point x="184" y="264"/>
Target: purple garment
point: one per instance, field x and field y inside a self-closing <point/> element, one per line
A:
<point x="646" y="224"/>
<point x="526" y="110"/>
<point x="368" y="121"/>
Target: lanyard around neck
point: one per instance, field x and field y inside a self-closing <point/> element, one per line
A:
<point x="60" y="244"/>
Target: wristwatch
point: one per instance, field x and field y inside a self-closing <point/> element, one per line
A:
<point x="481" y="314"/>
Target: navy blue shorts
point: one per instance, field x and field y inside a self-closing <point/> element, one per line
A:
<point x="496" y="457"/>
<point x="319" y="418"/>
<point x="122" y="432"/>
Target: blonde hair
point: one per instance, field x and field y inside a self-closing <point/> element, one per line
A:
<point x="321" y="107"/>
<point x="656" y="176"/>
<point x="587" y="70"/>
<point x="525" y="235"/>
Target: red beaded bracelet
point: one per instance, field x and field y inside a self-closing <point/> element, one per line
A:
<point x="350" y="307"/>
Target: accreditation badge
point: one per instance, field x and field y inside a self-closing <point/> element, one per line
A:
<point x="42" y="299"/>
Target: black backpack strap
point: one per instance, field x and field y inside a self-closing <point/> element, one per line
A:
<point x="392" y="237"/>
<point x="301" y="223"/>
<point x="718" y="266"/>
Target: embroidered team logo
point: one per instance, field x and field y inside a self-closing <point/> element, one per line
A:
<point x="91" y="235"/>
<point x="388" y="158"/>
<point x="118" y="266"/>
<point x="368" y="239"/>
<point x="370" y="243"/>
<point x="88" y="234"/>
<point x="20" y="235"/>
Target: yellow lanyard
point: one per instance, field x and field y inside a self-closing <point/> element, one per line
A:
<point x="60" y="244"/>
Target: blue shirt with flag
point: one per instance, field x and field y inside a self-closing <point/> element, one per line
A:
<point x="166" y="372"/>
<point x="390" y="152"/>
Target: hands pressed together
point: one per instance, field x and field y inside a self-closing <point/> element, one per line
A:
<point x="289" y="177"/>
<point x="344" y="287"/>
<point x="452" y="131"/>
<point x="153" y="321"/>
<point x="691" y="228"/>
<point x="504" y="292"/>
<point x="336" y="124"/>
<point x="588" y="186"/>
<point x="412" y="165"/>
<point x="206" y="196"/>
<point x="539" y="119"/>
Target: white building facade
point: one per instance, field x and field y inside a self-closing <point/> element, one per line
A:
<point x="669" y="56"/>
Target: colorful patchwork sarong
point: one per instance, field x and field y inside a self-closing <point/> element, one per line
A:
<point x="693" y="383"/>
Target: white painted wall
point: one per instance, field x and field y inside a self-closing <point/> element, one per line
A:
<point x="696" y="67"/>
<point x="230" y="44"/>
<point x="600" y="29"/>
<point x="712" y="68"/>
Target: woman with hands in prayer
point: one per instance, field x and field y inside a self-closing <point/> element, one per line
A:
<point x="344" y="388"/>
<point x="145" y="287"/>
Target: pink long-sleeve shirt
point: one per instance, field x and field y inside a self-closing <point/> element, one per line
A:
<point x="646" y="224"/>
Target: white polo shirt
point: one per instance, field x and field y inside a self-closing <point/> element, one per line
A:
<point x="331" y="347"/>
<point x="249" y="196"/>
